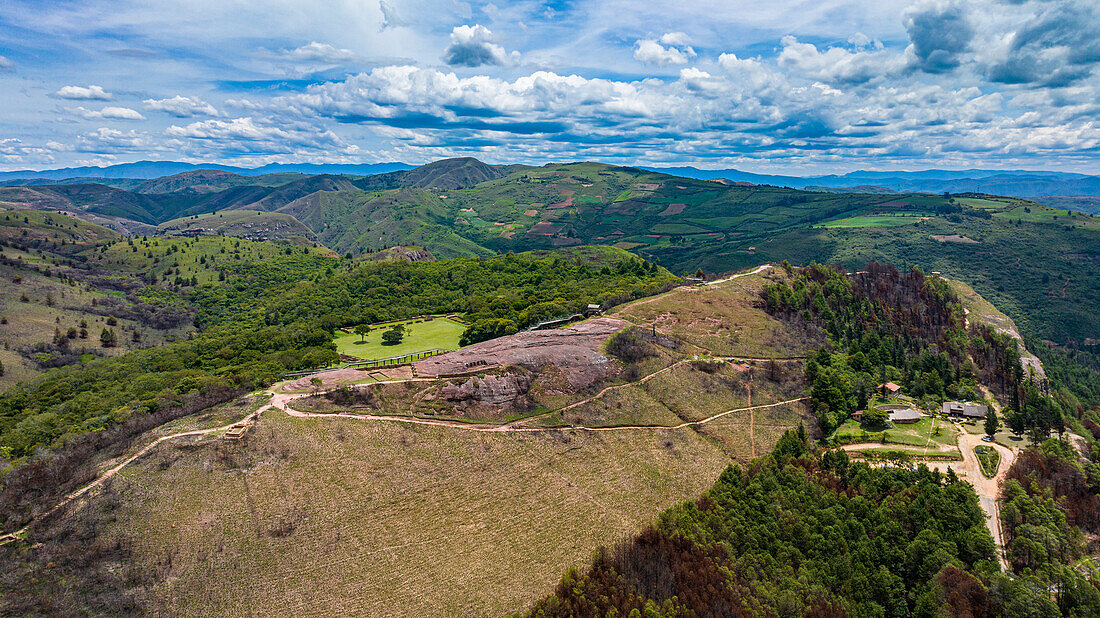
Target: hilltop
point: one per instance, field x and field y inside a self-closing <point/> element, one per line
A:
<point x="501" y="456"/>
<point x="482" y="474"/>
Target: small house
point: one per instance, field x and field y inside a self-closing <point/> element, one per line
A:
<point x="593" y="310"/>
<point x="965" y="411"/>
<point x="889" y="388"/>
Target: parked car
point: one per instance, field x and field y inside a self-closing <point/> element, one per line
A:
<point x="987" y="438"/>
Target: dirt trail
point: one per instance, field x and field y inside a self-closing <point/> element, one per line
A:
<point x="988" y="489"/>
<point x="282" y="402"/>
<point x="110" y="472"/>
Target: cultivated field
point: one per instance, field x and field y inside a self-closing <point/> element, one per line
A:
<point x="875" y="221"/>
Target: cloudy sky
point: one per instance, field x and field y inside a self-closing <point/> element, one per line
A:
<point x="793" y="86"/>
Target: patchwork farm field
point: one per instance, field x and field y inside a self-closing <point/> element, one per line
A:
<point x="1022" y="210"/>
<point x="440" y="333"/>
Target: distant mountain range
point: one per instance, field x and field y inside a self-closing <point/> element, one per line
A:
<point x="158" y="169"/>
<point x="1017" y="183"/>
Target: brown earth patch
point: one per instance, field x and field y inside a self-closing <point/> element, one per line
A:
<point x="544" y="228"/>
<point x="531" y="213"/>
<point x="955" y="238"/>
<point x="566" y="204"/>
<point x="673" y="209"/>
<point x="349" y="376"/>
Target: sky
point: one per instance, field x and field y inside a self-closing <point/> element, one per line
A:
<point x="784" y="86"/>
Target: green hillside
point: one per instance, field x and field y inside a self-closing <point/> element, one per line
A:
<point x="1033" y="260"/>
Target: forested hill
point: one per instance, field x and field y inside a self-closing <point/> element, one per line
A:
<point x="801" y="533"/>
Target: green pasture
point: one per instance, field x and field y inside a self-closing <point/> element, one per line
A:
<point x="920" y="433"/>
<point x="872" y="221"/>
<point x="441" y="333"/>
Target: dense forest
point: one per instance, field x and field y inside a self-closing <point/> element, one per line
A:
<point x="798" y="533"/>
<point x="269" y="317"/>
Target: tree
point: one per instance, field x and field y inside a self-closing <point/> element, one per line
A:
<point x="992" y="423"/>
<point x="490" y="328"/>
<point x="875" y="417"/>
<point x="108" y="338"/>
<point x="394" y="335"/>
<point x="316" y="383"/>
<point x="362" y="330"/>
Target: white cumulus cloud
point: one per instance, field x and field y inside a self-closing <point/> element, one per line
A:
<point x="116" y="113"/>
<point x="839" y="65"/>
<point x="670" y="48"/>
<point x="319" y="52"/>
<point x="181" y="106"/>
<point x="473" y="46"/>
<point x="89" y="93"/>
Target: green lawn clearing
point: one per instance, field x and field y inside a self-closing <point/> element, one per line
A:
<point x="440" y="333"/>
<point x="933" y="433"/>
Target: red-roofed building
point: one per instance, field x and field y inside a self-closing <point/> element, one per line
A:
<point x="889" y="388"/>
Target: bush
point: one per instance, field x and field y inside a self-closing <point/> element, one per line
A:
<point x="630" y="346"/>
<point x="484" y="330"/>
<point x="394" y="335"/>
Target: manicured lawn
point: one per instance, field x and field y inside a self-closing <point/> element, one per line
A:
<point x="440" y="333"/>
<point x="915" y="434"/>
<point x="1003" y="437"/>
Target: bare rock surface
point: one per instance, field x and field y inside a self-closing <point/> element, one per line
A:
<point x="575" y="350"/>
<point x="490" y="389"/>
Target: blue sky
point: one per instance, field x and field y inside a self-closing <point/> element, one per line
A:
<point x="791" y="86"/>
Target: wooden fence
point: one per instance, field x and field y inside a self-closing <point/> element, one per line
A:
<point x="364" y="364"/>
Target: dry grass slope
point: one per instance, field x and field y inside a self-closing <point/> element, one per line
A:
<point x="334" y="517"/>
<point x="723" y="319"/>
